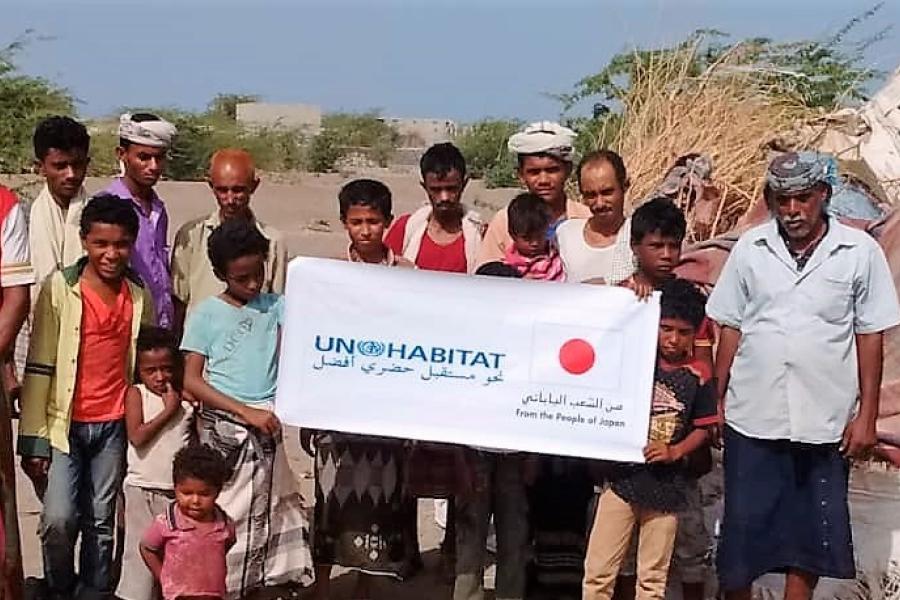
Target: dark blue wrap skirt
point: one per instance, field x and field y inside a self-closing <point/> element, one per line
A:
<point x="785" y="509"/>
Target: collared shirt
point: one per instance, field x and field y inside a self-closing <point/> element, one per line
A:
<point x="193" y="280"/>
<point x="802" y="257"/>
<point x="496" y="238"/>
<point x="193" y="553"/>
<point x="150" y="258"/>
<point x="391" y="259"/>
<point x="794" y="375"/>
<point x="53" y="358"/>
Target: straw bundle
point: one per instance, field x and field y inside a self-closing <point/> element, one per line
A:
<point x="729" y="113"/>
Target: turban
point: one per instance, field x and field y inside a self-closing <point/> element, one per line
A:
<point x="794" y="172"/>
<point x="156" y="134"/>
<point x="544" y="137"/>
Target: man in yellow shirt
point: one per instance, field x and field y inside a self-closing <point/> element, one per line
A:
<point x="232" y="179"/>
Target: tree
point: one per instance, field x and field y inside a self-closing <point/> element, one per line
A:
<point x="24" y="100"/>
<point x="818" y="73"/>
<point x="324" y="152"/>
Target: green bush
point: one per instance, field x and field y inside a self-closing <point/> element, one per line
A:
<point x="324" y="152"/>
<point x="595" y="133"/>
<point x="483" y="144"/>
<point x="103" y="152"/>
<point x="343" y="133"/>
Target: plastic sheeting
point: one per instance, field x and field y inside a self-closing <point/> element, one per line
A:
<point x="870" y="133"/>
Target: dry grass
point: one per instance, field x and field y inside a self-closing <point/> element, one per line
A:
<point x="724" y="112"/>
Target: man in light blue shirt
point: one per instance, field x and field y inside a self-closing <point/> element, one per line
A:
<point x="802" y="301"/>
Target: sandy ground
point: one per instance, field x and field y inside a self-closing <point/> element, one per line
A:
<point x="306" y="212"/>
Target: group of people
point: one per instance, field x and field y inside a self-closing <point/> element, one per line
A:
<point x="150" y="381"/>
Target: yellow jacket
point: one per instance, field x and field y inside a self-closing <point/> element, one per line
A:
<point x="52" y="364"/>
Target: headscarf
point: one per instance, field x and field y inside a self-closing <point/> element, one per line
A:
<point x="795" y="172"/>
<point x="544" y="137"/>
<point x="156" y="134"/>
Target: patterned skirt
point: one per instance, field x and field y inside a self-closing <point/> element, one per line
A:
<point x="264" y="500"/>
<point x="560" y="508"/>
<point x="362" y="511"/>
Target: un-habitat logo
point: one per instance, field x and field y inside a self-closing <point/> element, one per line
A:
<point x="576" y="356"/>
<point x="409" y="352"/>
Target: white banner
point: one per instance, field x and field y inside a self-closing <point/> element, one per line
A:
<point x="536" y="366"/>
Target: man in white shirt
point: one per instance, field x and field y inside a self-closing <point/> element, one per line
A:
<point x="61" y="156"/>
<point x="803" y="301"/>
<point x="598" y="248"/>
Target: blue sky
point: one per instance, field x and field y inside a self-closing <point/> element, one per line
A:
<point x="460" y="59"/>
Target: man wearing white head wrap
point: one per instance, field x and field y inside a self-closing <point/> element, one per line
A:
<point x="136" y="129"/>
<point x="561" y="493"/>
<point x="144" y="140"/>
<point x="544" y="137"/>
<point x="545" y="152"/>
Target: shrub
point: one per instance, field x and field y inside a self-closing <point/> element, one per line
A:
<point x="24" y="100"/>
<point x="483" y="144"/>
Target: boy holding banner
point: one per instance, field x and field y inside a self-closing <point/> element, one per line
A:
<point x="658" y="229"/>
<point x="649" y="496"/>
<point x="359" y="479"/>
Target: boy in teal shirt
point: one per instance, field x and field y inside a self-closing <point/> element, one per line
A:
<point x="231" y="363"/>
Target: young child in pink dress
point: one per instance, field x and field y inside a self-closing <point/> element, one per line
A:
<point x="185" y="547"/>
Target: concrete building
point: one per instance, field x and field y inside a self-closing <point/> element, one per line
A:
<point x="303" y="117"/>
<point x="421" y="133"/>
